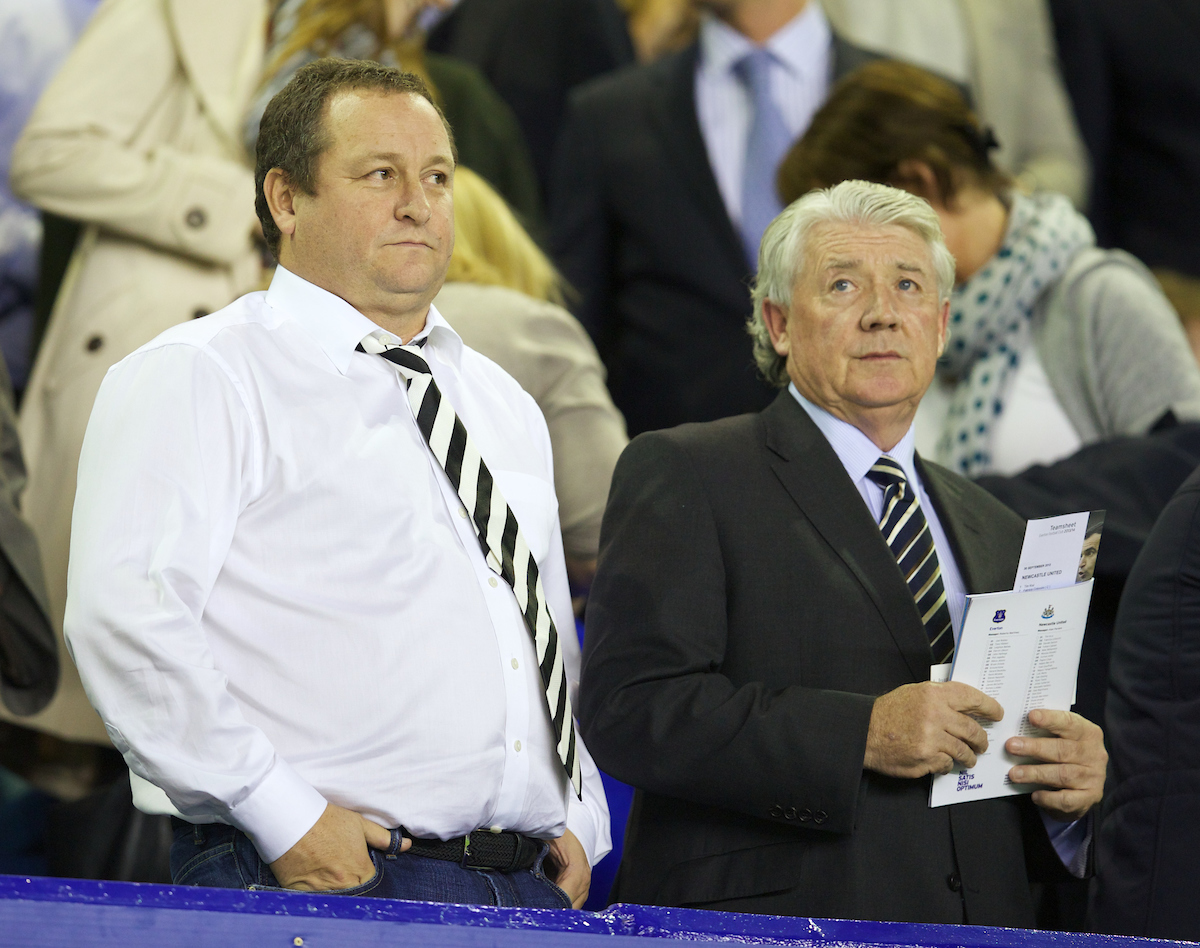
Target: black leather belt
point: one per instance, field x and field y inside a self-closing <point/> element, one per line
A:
<point x="482" y="849"/>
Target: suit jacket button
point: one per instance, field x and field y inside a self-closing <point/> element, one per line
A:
<point x="805" y="815"/>
<point x="95" y="343"/>
<point x="954" y="882"/>
<point x="776" y="811"/>
<point x="820" y="816"/>
<point x="790" y="814"/>
<point x="199" y="313"/>
<point x="196" y="218"/>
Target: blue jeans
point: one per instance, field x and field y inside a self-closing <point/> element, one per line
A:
<point x="217" y="855"/>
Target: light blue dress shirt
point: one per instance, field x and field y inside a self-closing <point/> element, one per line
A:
<point x="801" y="54"/>
<point x="857" y="453"/>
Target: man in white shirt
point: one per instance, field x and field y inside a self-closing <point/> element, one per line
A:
<point x="279" y="602"/>
<point x="664" y="181"/>
<point x="772" y="592"/>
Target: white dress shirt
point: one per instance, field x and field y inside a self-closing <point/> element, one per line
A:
<point x="858" y="453"/>
<point x="276" y="599"/>
<point x="802" y="64"/>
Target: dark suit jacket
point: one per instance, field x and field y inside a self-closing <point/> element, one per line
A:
<point x="28" y="650"/>
<point x="534" y="52"/>
<point x="1130" y="68"/>
<point x="745" y="614"/>
<point x="639" y="228"/>
<point x="1147" y="872"/>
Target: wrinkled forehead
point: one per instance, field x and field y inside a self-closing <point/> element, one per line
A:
<point x="836" y="245"/>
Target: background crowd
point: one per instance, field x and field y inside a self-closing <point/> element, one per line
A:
<point x="620" y="160"/>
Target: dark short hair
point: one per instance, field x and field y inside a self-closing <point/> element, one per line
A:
<point x="883" y="114"/>
<point x="292" y="135"/>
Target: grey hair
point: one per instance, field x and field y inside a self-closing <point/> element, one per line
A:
<point x="781" y="253"/>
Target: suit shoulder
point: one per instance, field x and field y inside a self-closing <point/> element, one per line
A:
<point x="707" y="444"/>
<point x="632" y="84"/>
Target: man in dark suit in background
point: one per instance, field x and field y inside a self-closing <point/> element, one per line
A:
<point x="772" y="591"/>
<point x="1130" y="67"/>
<point x="534" y="52"/>
<point x="663" y="183"/>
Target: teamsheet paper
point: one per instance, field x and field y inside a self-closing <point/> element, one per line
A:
<point x="1023" y="650"/>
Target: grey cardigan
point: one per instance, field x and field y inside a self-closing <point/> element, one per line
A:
<point x="1113" y="348"/>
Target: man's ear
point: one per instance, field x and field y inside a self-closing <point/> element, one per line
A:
<point x="775" y="317"/>
<point x="943" y="328"/>
<point x="281" y="199"/>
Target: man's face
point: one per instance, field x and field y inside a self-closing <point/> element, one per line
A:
<point x="864" y="329"/>
<point x="1087" y="561"/>
<point x="379" y="230"/>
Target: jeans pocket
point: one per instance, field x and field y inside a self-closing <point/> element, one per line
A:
<point x="541" y="876"/>
<point x="361" y="889"/>
<point x="215" y="867"/>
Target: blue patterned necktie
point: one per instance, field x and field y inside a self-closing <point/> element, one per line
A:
<point x="766" y="145"/>
<point x="907" y="534"/>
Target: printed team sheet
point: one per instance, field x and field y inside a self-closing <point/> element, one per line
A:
<point x="1022" y="648"/>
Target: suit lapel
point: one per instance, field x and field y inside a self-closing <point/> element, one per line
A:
<point x="966" y="533"/>
<point x="674" y="114"/>
<point x="815" y="479"/>
<point x="221" y="45"/>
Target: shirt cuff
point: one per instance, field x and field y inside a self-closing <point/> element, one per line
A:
<point x="1071" y="841"/>
<point x="278" y="812"/>
<point x="582" y="822"/>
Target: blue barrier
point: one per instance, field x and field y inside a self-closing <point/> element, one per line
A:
<point x="40" y="913"/>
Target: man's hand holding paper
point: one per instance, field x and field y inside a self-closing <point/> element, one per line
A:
<point x="928" y="728"/>
<point x="1075" y="763"/>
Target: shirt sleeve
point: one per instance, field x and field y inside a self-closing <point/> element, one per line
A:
<point x="169" y="461"/>
<point x="588" y="818"/>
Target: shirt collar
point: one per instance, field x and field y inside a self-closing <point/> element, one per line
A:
<point x="801" y="45"/>
<point x="854" y="449"/>
<point x="337" y="327"/>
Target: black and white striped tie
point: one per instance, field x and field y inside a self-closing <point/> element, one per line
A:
<point x="907" y="534"/>
<point x="496" y="528"/>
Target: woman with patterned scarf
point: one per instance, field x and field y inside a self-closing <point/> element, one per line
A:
<point x="1054" y="343"/>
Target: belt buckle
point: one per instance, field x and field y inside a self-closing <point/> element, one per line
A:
<point x="466" y="862"/>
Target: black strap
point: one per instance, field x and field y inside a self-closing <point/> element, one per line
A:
<point x="482" y="849"/>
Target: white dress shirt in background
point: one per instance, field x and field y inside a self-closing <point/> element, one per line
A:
<point x="276" y="599"/>
<point x="802" y="64"/>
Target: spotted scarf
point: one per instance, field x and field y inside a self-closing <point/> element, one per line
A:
<point x="991" y="318"/>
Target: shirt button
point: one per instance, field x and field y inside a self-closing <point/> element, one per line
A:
<point x="462" y="512"/>
<point x="517" y="746"/>
<point x="515" y="663"/>
<point x="496" y="828"/>
<point x="492" y="581"/>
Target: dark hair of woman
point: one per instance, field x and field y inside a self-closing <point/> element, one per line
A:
<point x="884" y="116"/>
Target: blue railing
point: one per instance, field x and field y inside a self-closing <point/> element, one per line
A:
<point x="85" y="914"/>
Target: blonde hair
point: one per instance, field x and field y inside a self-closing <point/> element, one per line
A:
<point x="491" y="246"/>
<point x="321" y="23"/>
<point x="781" y="253"/>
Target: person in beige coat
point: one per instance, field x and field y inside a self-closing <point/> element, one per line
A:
<point x="1003" y="52"/>
<point x="138" y="137"/>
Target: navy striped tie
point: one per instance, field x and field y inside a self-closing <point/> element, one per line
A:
<point x="497" y="530"/>
<point x="907" y="534"/>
